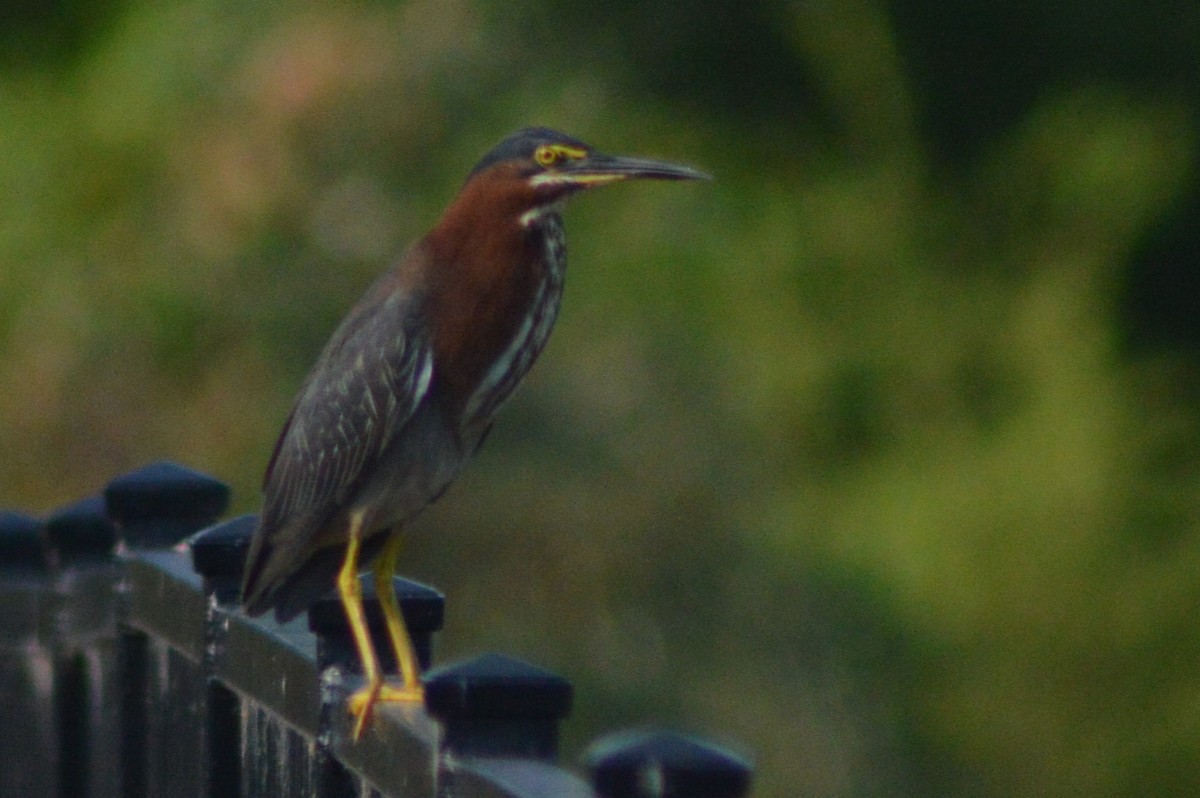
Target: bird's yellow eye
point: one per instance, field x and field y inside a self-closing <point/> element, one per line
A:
<point x="550" y="154"/>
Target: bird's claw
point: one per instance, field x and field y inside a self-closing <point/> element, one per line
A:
<point x="361" y="703"/>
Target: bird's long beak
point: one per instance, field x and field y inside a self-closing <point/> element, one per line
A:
<point x="596" y="170"/>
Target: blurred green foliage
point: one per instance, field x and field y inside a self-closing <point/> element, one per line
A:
<point x="878" y="454"/>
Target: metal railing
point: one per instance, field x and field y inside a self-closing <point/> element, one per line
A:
<point x="126" y="669"/>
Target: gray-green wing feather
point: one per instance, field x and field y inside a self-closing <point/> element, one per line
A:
<point x="364" y="388"/>
<point x="366" y="385"/>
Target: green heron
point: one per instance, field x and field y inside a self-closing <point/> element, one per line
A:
<point x="406" y="389"/>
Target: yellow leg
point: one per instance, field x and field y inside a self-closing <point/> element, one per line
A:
<point x="363" y="701"/>
<point x="406" y="657"/>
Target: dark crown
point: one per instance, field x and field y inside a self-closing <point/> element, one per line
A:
<point x="521" y="146"/>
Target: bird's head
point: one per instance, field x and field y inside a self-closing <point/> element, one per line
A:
<point x="539" y="168"/>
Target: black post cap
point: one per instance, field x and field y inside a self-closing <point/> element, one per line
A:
<point x="162" y="503"/>
<point x="658" y="764"/>
<point x="219" y="554"/>
<point x="422" y="606"/>
<point x="81" y="531"/>
<point x="495" y="705"/>
<point x="21" y="543"/>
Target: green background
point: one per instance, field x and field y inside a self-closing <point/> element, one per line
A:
<point x="875" y="457"/>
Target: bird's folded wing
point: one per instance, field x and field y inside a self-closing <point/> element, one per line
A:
<point x="369" y="380"/>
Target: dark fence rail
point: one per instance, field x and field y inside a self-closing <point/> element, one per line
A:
<point x="126" y="669"/>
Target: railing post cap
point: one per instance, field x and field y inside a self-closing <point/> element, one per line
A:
<point x="423" y="608"/>
<point x="496" y="686"/>
<point x="219" y="551"/>
<point x="663" y="764"/>
<point x="166" y="491"/>
<point x="21" y="542"/>
<point x="81" y="529"/>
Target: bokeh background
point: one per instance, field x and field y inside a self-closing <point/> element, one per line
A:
<point x="876" y="456"/>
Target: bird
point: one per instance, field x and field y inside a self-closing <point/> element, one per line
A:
<point x="408" y="385"/>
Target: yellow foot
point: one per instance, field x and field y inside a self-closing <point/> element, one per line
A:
<point x="362" y="703"/>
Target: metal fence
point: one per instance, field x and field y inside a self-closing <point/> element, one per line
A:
<point x="126" y="669"/>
